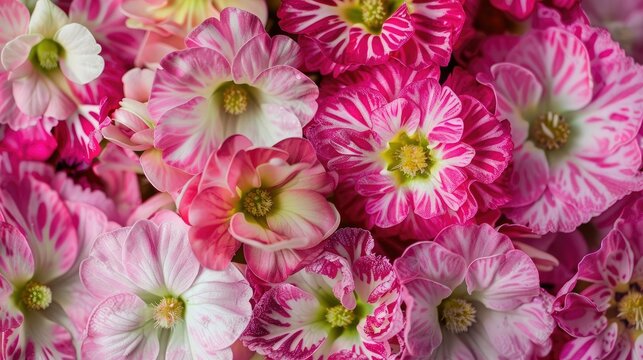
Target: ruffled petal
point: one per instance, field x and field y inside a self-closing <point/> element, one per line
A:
<point x="529" y="176"/>
<point x="263" y="52"/>
<point x="474" y="241"/>
<point x="431" y="261"/>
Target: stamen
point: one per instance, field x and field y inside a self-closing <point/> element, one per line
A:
<point x="374" y="13"/>
<point x="36" y="296"/>
<point x="47" y="53"/>
<point x="258" y="202"/>
<point x="235" y="100"/>
<point x="412" y="160"/>
<point x="168" y="312"/>
<point x="631" y="309"/>
<point x="550" y="131"/>
<point x="457" y="315"/>
<point x="339" y="316"/>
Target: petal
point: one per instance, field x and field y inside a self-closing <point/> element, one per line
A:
<point x="387" y="205"/>
<point x="16" y="260"/>
<point x="579" y="316"/>
<point x="32" y="94"/>
<point x="351" y="243"/>
<point x="80" y="62"/>
<point x="431" y="261"/>
<point x="277" y="266"/>
<point x="474" y="241"/>
<point x="46" y="19"/>
<point x="263" y="52"/>
<point x="10" y="315"/>
<point x="38" y="338"/>
<point x="14" y="21"/>
<point x="529" y="175"/>
<point x="78" y="135"/>
<point x="16" y="52"/>
<point x="121" y="326"/>
<point x="520" y="9"/>
<point x="398" y="115"/>
<point x="162" y="176"/>
<point x="592" y="346"/>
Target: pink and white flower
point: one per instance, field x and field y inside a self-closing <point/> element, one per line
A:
<point x="408" y="151"/>
<point x="233" y="79"/>
<point x="344" y="305"/>
<point x="575" y="106"/>
<point x="273" y="200"/>
<point x="157" y="297"/>
<point x="418" y="32"/>
<point x="601" y="307"/>
<point x="470" y="294"/>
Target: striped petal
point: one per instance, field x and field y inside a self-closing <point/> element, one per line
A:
<point x="10" y="315"/>
<point x="529" y="176"/>
<point x="261" y="53"/>
<point x="38" y="338"/>
<point x="520" y="9"/>
<point x="432" y="261"/>
<point x="549" y="213"/>
<point x="474" y="241"/>
<point x="16" y="259"/>
<point x="592" y="346"/>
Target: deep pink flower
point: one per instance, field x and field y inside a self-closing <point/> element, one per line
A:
<point x="602" y="305"/>
<point x="408" y="150"/>
<point x="347" y="33"/>
<point x="470" y="294"/>
<point x="344" y="305"/>
<point x="273" y="200"/>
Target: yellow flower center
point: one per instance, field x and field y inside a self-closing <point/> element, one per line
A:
<point x="413" y="160"/>
<point x="408" y="157"/>
<point x="235" y="100"/>
<point x="457" y="315"/>
<point x="36" y="296"/>
<point x="46" y="54"/>
<point x="168" y="311"/>
<point x="339" y="316"/>
<point x="630" y="308"/>
<point x="550" y="131"/>
<point x="374" y="13"/>
<point x="258" y="202"/>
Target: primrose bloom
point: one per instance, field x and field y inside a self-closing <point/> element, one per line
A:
<point x="470" y="294"/>
<point x="371" y="31"/>
<point x="273" y="200"/>
<point x="601" y="307"/>
<point x="233" y="79"/>
<point x="41" y="54"/>
<point x="157" y="297"/>
<point x="409" y="151"/>
<point x="344" y="305"/>
<point x="574" y="101"/>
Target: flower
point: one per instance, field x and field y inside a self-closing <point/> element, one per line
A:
<point x="470" y="294"/>
<point x="575" y="109"/>
<point x="408" y="151"/>
<point x="345" y="304"/>
<point x="601" y="307"/>
<point x="156" y="296"/>
<point x="371" y="31"/>
<point x="273" y="200"/>
<point x="42" y="53"/>
<point x="233" y="79"/>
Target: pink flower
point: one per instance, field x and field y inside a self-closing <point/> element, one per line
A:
<point x="233" y="79"/>
<point x="158" y="298"/>
<point x="273" y="200"/>
<point x="409" y="151"/>
<point x="43" y="306"/>
<point x="470" y="294"/>
<point x="602" y="305"/>
<point x="418" y="32"/>
<point x="573" y="100"/>
<point x="344" y="305"/>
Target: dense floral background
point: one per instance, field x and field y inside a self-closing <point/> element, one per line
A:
<point x="321" y="179"/>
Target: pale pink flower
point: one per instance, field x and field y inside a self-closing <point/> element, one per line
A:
<point x="344" y="305"/>
<point x="233" y="79"/>
<point x="157" y="297"/>
<point x="273" y="200"/>
<point x="601" y="307"/>
<point x="469" y="294"/>
<point x="575" y="106"/>
<point x="347" y="33"/>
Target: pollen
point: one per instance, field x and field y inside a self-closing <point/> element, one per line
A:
<point x="36" y="296"/>
<point x="168" y="312"/>
<point x="550" y="131"/>
<point x="258" y="202"/>
<point x="235" y="100"/>
<point x="457" y="315"/>
<point x="47" y="54"/>
<point x="413" y="160"/>
<point x="631" y="309"/>
<point x="339" y="316"/>
<point x="374" y="13"/>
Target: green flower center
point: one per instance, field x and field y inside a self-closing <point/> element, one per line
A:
<point x="235" y="99"/>
<point x="168" y="311"/>
<point x="258" y="202"/>
<point x="550" y="131"/>
<point x="457" y="315"/>
<point x="339" y="316"/>
<point x="46" y="54"/>
<point x="408" y="157"/>
<point x="36" y="296"/>
<point x="630" y="308"/>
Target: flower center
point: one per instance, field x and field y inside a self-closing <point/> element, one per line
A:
<point x="46" y="54"/>
<point x="36" y="296"/>
<point x="235" y="100"/>
<point x="550" y="131"/>
<point x="630" y="308"/>
<point x="258" y="202"/>
<point x="457" y="315"/>
<point x="339" y="316"/>
<point x="168" y="311"/>
<point x="374" y="13"/>
<point x="412" y="160"/>
<point x="408" y="157"/>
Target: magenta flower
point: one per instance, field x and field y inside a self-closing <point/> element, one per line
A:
<point x="601" y="307"/>
<point x="273" y="200"/>
<point x="470" y="294"/>
<point x="575" y="106"/>
<point x="157" y="297"/>
<point x="233" y="79"/>
<point x="418" y="32"/>
<point x="344" y="305"/>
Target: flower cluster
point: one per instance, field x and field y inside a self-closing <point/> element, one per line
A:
<point x="321" y="179"/>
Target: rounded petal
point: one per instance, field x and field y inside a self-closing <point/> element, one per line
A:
<point x="430" y="260"/>
<point x="14" y="21"/>
<point x="80" y="62"/>
<point x="529" y="176"/>
<point x="16" y="52"/>
<point x="474" y="241"/>
<point x="263" y="52"/>
<point x="162" y="176"/>
<point x="17" y="263"/>
<point x="46" y="19"/>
